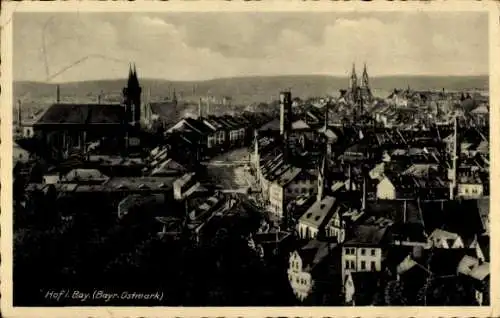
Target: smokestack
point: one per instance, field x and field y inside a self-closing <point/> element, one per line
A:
<point x="58" y="94"/>
<point x="404" y="211"/>
<point x="199" y="109"/>
<point x="327" y="109"/>
<point x="349" y="176"/>
<point x="208" y="106"/>
<point x="454" y="159"/>
<point x="19" y="115"/>
<point x="285" y="112"/>
<point x="285" y="120"/>
<point x="99" y="98"/>
<point x="363" y="200"/>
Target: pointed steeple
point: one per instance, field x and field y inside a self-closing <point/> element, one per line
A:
<point x="353" y="82"/>
<point x="132" y="96"/>
<point x="322" y="180"/>
<point x="365" y="81"/>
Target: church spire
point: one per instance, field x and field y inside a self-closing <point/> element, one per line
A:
<point x="365" y="81"/>
<point x="132" y="96"/>
<point x="322" y="180"/>
<point x="354" y="79"/>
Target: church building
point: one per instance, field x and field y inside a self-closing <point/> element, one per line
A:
<point x="359" y="94"/>
<point x="66" y="128"/>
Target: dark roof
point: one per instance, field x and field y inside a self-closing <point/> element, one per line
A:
<point x="445" y="261"/>
<point x="198" y="125"/>
<point x="314" y="252"/>
<point x="368" y="235"/>
<point x="394" y="210"/>
<point x="83" y="114"/>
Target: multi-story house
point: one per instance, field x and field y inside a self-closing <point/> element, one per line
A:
<point x="364" y="252"/>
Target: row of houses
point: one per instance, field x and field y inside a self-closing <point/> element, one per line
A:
<point x="212" y="134"/>
<point x="370" y="261"/>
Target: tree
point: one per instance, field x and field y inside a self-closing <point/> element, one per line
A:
<point x="393" y="294"/>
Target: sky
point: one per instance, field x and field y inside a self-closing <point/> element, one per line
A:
<point x="62" y="47"/>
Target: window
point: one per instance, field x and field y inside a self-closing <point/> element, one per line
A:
<point x="297" y="280"/>
<point x="347" y="251"/>
<point x="353" y="265"/>
<point x="372" y="266"/>
<point x="303" y="190"/>
<point x="363" y="265"/>
<point x="347" y="264"/>
<point x="363" y="251"/>
<point x="373" y="252"/>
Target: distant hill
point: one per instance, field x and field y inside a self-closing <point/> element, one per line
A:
<point x="243" y="90"/>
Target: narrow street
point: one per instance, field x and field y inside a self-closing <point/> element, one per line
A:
<point x="231" y="177"/>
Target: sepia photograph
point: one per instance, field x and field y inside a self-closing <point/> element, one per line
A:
<point x="249" y="159"/>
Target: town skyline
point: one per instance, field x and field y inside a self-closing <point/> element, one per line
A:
<point x="99" y="46"/>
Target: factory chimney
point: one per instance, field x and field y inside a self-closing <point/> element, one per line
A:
<point x="199" y="109"/>
<point x="19" y="114"/>
<point x="454" y="154"/>
<point x="58" y="94"/>
<point x="363" y="199"/>
<point x="208" y="106"/>
<point x="285" y="120"/>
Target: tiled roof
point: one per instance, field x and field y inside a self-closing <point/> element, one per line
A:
<point x="85" y="175"/>
<point x="368" y="235"/>
<point x="313" y="253"/>
<point x="319" y="212"/>
<point x="83" y="114"/>
<point x="168" y="166"/>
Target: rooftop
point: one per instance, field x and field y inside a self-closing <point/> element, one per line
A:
<point x="318" y="212"/>
<point x="83" y="114"/>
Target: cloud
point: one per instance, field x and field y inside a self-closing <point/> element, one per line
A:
<point x="186" y="46"/>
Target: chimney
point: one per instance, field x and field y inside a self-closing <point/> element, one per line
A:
<point x="349" y="176"/>
<point x="199" y="109"/>
<point x="285" y="120"/>
<point x="327" y="109"/>
<point x="19" y="114"/>
<point x="363" y="200"/>
<point x="285" y="112"/>
<point x="99" y="98"/>
<point x="404" y="211"/>
<point x="58" y="94"/>
<point x="453" y="181"/>
<point x="208" y="106"/>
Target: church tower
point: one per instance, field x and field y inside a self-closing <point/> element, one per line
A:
<point x="322" y="179"/>
<point x="365" y="82"/>
<point x="132" y="98"/>
<point x="353" y="81"/>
